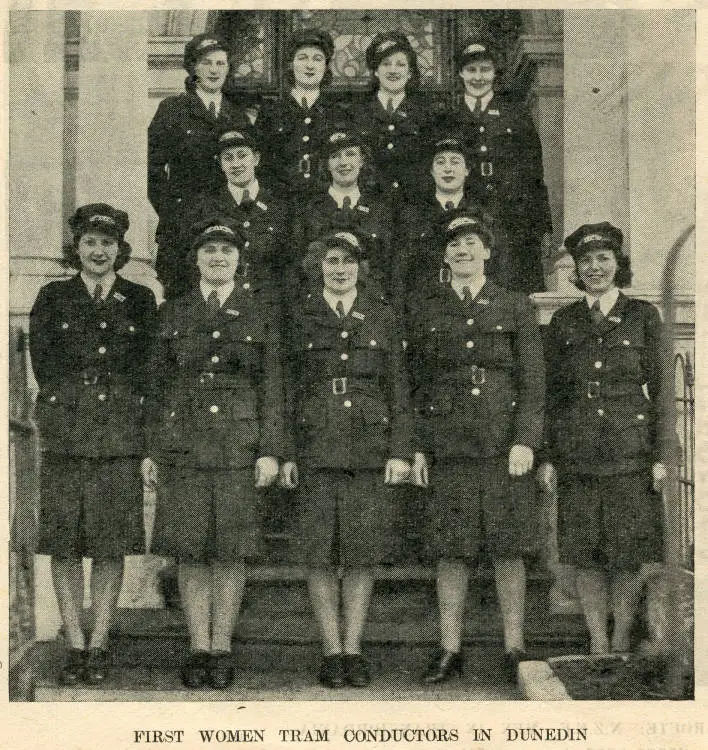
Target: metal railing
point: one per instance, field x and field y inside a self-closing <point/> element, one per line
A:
<point x="686" y="429"/>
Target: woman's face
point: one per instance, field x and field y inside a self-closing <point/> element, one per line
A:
<point x="239" y="164"/>
<point x="97" y="253"/>
<point x="309" y="67"/>
<point x="478" y="77"/>
<point x="340" y="271"/>
<point x="211" y="71"/>
<point x="393" y="73"/>
<point x="466" y="254"/>
<point x="449" y="171"/>
<point x="217" y="261"/>
<point x="345" y="166"/>
<point x="597" y="269"/>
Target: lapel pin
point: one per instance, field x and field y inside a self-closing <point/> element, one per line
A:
<point x="356" y="314"/>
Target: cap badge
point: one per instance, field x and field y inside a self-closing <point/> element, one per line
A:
<point x="209" y="43"/>
<point x="592" y="238"/>
<point x="336" y="137"/>
<point x="461" y="221"/>
<point x="103" y="219"/>
<point x="219" y="228"/>
<point x="472" y="48"/>
<point x="348" y="237"/>
<point x="386" y="44"/>
<point x="230" y="135"/>
<point x="119" y="296"/>
<point x="356" y="314"/>
<point x="448" y="143"/>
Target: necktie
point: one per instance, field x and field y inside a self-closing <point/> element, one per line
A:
<point x="245" y="197"/>
<point x="389" y="105"/>
<point x="98" y="294"/>
<point x="466" y="296"/>
<point x="305" y="105"/>
<point x="213" y="305"/>
<point x="212" y="109"/>
<point x="340" y="308"/>
<point x="596" y="314"/>
<point x="449" y="205"/>
<point x="346" y="202"/>
<point x="477" y="108"/>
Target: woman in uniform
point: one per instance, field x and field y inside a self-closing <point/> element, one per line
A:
<point x="394" y="121"/>
<point x="479" y="392"/>
<point x="294" y="129"/>
<point x="506" y="172"/>
<point x="351" y="416"/>
<point x="604" y="425"/>
<point x="215" y="413"/>
<point x="89" y="342"/>
<point x="349" y="203"/>
<point x="260" y="216"/>
<point x="181" y="143"/>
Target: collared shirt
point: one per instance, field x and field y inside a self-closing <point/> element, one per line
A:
<point x="338" y="194"/>
<point x="223" y="291"/>
<point x="237" y="192"/>
<point x="347" y="300"/>
<point x="483" y="101"/>
<point x="607" y="300"/>
<point x="455" y="199"/>
<point x="474" y="285"/>
<point x="310" y="96"/>
<point x="106" y="283"/>
<point x="207" y="98"/>
<point x="383" y="97"/>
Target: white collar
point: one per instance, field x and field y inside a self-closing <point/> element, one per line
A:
<point x="347" y="299"/>
<point x="475" y="286"/>
<point x="208" y="97"/>
<point x="237" y="192"/>
<point x="223" y="291"/>
<point x="607" y="300"/>
<point x="483" y="101"/>
<point x="384" y="97"/>
<point x="106" y="283"/>
<point x="455" y="199"/>
<point x="310" y="96"/>
<point x="338" y="194"/>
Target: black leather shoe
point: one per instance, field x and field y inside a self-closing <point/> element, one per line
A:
<point x="195" y="669"/>
<point x="96" y="667"/>
<point x="444" y="666"/>
<point x="332" y="671"/>
<point x="356" y="670"/>
<point x="221" y="670"/>
<point x="73" y="668"/>
<point x="512" y="659"/>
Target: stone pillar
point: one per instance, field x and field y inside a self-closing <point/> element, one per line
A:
<point x="112" y="120"/>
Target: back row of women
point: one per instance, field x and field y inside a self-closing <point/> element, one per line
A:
<point x="210" y="403"/>
<point x="313" y="162"/>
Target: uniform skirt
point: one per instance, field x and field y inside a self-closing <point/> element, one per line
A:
<point x="345" y="519"/>
<point x="204" y="516"/>
<point x="609" y="522"/>
<point x="90" y="507"/>
<point x="475" y="506"/>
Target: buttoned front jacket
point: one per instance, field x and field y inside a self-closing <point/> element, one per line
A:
<point x="604" y="413"/>
<point x="216" y="390"/>
<point x="478" y="372"/>
<point x="90" y="362"/>
<point x="349" y="391"/>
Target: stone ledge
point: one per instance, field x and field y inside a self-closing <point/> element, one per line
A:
<point x="537" y="682"/>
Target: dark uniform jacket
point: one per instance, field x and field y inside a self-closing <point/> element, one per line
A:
<point x="478" y="372"/>
<point x="370" y="219"/>
<point x="350" y="397"/>
<point x="90" y="363"/>
<point x="263" y="223"/>
<point x="599" y="419"/>
<point x="216" y="396"/>
<point x="291" y="139"/>
<point x="397" y="140"/>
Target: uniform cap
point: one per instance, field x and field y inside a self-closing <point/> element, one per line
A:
<point x="100" y="217"/>
<point x="385" y="44"/>
<point x="340" y="139"/>
<point x="232" y="138"/>
<point x="449" y="144"/>
<point x="592" y="236"/>
<point x="474" y="49"/>
<point x="200" y="45"/>
<point x="469" y="222"/>
<point x="216" y="228"/>
<point x="311" y="38"/>
<point x="343" y="240"/>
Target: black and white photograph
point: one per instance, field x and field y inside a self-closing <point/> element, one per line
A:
<point x="352" y="359"/>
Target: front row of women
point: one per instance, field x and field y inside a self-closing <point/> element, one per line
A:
<point x="333" y="411"/>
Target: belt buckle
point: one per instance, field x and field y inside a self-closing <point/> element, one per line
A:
<point x="593" y="389"/>
<point x="487" y="169"/>
<point x="479" y="375"/>
<point x="445" y="275"/>
<point x="89" y="378"/>
<point x="304" y="165"/>
<point x="339" y="386"/>
<point x="205" y="377"/>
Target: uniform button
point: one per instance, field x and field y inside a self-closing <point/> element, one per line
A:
<point x="247" y="286"/>
<point x="215" y="359"/>
<point x="372" y="342"/>
<point x="391" y="127"/>
<point x="305" y="138"/>
<point x="499" y="328"/>
<point x="469" y="344"/>
<point x="246" y="224"/>
<point x="470" y="321"/>
<point x="101" y="396"/>
<point x="395" y="184"/>
<point x="490" y="186"/>
<point x="640" y="416"/>
<point x="483" y="149"/>
<point x="308" y="120"/>
<point x="347" y="404"/>
<point x="248" y="338"/>
<point x="214" y="409"/>
<point x="216" y="334"/>
<point x="306" y="175"/>
<point x="599" y="340"/>
<point x="309" y="344"/>
<point x="344" y="356"/>
<point x="373" y="235"/>
<point x="246" y="243"/>
<point x="481" y="128"/>
<point x="508" y="130"/>
<point x="172" y="414"/>
<point x="601" y="412"/>
<point x="52" y="398"/>
<point x="131" y="329"/>
<point x="625" y="342"/>
<point x="389" y="146"/>
<point x="305" y="156"/>
<point x="475" y="391"/>
<point x="101" y="349"/>
<point x="344" y="335"/>
<point x="598" y="365"/>
<point x="103" y="324"/>
<point x="65" y="326"/>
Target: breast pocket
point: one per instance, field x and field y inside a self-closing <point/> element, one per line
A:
<point x="56" y="415"/>
<point x="497" y="340"/>
<point x="370" y="350"/>
<point x="625" y="357"/>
